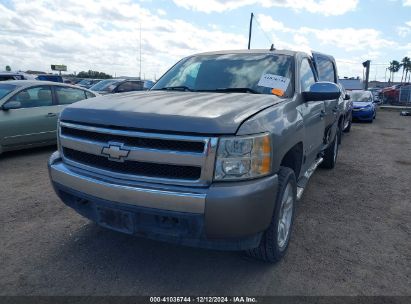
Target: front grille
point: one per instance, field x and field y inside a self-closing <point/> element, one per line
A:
<point x="140" y="142"/>
<point x="133" y="167"/>
<point x="177" y="159"/>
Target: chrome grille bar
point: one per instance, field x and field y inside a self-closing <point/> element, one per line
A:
<point x="94" y="146"/>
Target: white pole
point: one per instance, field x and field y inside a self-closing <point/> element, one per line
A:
<point x="139" y="74"/>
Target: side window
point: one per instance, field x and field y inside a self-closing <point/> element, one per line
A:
<point x="326" y="70"/>
<point x="4" y="78"/>
<point x="124" y="87"/>
<point x="137" y="85"/>
<point x="89" y="94"/>
<point x="69" y="95"/>
<point x="129" y="86"/>
<point x="307" y="77"/>
<point x="34" y="97"/>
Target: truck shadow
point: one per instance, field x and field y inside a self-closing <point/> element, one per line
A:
<point x="127" y="265"/>
<point x="27" y="152"/>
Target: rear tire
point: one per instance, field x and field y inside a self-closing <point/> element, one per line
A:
<point x="275" y="240"/>
<point x="331" y="153"/>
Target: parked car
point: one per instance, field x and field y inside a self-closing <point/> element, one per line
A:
<point x="347" y="109"/>
<point x="207" y="157"/>
<point x="87" y="83"/>
<point x="50" y="77"/>
<point x="29" y="111"/>
<point x="376" y="93"/>
<point x="10" y="76"/>
<point x="111" y="86"/>
<point x="391" y="94"/>
<point x="364" y="107"/>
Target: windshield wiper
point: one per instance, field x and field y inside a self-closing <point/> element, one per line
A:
<point x="177" y="88"/>
<point x="239" y="90"/>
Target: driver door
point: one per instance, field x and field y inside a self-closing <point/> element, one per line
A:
<point x="312" y="112"/>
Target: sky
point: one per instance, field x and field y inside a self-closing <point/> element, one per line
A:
<point x="105" y="35"/>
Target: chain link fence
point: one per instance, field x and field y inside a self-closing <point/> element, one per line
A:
<point x="400" y="96"/>
<point x="405" y="95"/>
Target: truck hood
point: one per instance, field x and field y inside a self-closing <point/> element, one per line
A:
<point x="361" y="104"/>
<point x="189" y="112"/>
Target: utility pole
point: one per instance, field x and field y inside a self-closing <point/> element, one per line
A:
<point x="366" y="65"/>
<point x="251" y="28"/>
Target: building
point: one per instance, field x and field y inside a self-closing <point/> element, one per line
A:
<point x="352" y="83"/>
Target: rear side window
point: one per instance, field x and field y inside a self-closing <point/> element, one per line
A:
<point x="69" y="95"/>
<point x="326" y="70"/>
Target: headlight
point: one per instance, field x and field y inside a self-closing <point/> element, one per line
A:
<point x="243" y="157"/>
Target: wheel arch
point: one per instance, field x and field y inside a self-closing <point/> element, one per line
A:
<point x="293" y="158"/>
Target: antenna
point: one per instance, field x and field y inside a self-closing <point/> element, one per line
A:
<point x="250" y="30"/>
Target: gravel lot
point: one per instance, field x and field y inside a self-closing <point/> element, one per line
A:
<point x="352" y="234"/>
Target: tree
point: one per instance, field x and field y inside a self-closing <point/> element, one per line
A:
<point x="93" y="74"/>
<point x="408" y="72"/>
<point x="394" y="68"/>
<point x="8" y="68"/>
<point x="405" y="63"/>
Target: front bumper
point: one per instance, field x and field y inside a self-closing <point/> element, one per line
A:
<point x="229" y="216"/>
<point x="362" y="114"/>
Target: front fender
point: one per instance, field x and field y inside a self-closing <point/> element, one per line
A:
<point x="285" y="124"/>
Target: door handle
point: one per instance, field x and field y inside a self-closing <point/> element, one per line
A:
<point x="51" y="115"/>
<point x="322" y="113"/>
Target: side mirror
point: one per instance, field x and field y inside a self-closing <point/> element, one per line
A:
<point x="347" y="97"/>
<point x="11" y="105"/>
<point x="322" y="91"/>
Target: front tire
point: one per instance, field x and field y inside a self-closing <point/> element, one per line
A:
<point x="275" y="240"/>
<point x="348" y="128"/>
<point x="331" y="153"/>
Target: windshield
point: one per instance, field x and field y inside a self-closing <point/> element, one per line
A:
<point x="361" y="96"/>
<point x="6" y="89"/>
<point x="231" y="72"/>
<point x="103" y="85"/>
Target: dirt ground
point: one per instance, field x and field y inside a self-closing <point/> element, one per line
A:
<point x="352" y="234"/>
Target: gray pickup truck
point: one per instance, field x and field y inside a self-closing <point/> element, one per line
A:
<point x="215" y="155"/>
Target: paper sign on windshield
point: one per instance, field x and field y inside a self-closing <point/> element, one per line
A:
<point x="272" y="81"/>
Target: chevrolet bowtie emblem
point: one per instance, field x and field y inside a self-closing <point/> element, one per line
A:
<point x="115" y="151"/>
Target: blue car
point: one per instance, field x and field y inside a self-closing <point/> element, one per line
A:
<point x="363" y="106"/>
<point x="50" y="77"/>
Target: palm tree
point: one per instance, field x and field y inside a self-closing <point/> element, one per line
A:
<point x="405" y="63"/>
<point x="394" y="68"/>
